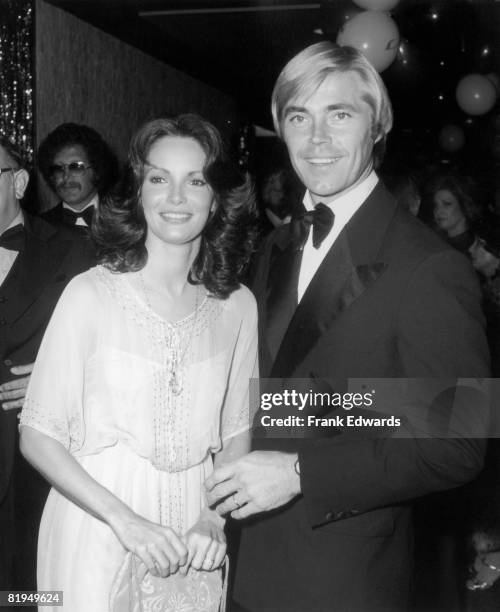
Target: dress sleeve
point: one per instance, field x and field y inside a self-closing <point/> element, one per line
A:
<point x="237" y="414"/>
<point x="54" y="399"/>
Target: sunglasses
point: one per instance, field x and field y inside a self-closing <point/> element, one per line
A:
<point x="76" y="168"/>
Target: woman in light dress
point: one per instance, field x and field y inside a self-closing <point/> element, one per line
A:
<point x="142" y="383"/>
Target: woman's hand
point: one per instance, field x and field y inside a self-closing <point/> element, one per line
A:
<point x="159" y="548"/>
<point x="486" y="567"/>
<point x="206" y="543"/>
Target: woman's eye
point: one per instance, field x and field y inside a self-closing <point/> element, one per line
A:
<point x="157" y="179"/>
<point x="198" y="182"/>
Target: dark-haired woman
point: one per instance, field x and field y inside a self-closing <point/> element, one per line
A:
<point x="142" y="383"/>
<point x="453" y="211"/>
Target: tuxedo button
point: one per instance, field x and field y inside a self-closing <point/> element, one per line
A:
<point x="329" y="516"/>
<point x="353" y="512"/>
<point x="7" y="362"/>
<point x="3" y="321"/>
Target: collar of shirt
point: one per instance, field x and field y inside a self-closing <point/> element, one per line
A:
<point x="7" y="257"/>
<point x="93" y="202"/>
<point x="343" y="208"/>
<point x="19" y="218"/>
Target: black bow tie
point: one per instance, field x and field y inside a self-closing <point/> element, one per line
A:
<point x="321" y="219"/>
<point x="70" y="217"/>
<point x="13" y="239"/>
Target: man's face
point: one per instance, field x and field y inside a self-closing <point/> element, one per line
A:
<point x="12" y="187"/>
<point x="76" y="188"/>
<point x="329" y="136"/>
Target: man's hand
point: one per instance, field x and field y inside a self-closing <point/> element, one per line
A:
<point x="12" y="393"/>
<point x="257" y="482"/>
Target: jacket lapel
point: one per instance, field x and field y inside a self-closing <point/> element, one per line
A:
<point x="281" y="289"/>
<point x="34" y="267"/>
<point x="350" y="267"/>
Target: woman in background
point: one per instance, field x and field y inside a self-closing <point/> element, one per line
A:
<point x="142" y="382"/>
<point x="453" y="213"/>
<point x="483" y="587"/>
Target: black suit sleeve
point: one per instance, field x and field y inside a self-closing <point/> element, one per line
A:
<point x="439" y="332"/>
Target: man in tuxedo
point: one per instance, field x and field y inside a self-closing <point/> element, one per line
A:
<point x="80" y="167"/>
<point x="356" y="289"/>
<point x="36" y="261"/>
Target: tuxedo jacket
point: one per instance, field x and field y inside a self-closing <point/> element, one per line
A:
<point x="52" y="256"/>
<point x="390" y="300"/>
<point x="54" y="215"/>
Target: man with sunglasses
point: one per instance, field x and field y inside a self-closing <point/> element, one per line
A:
<point x="36" y="262"/>
<point x="79" y="167"/>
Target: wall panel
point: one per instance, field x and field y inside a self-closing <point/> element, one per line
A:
<point x="87" y="76"/>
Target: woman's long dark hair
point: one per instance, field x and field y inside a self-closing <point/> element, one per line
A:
<point x="227" y="241"/>
<point x="460" y="186"/>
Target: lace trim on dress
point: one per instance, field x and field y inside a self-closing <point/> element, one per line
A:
<point x="68" y="432"/>
<point x="171" y="410"/>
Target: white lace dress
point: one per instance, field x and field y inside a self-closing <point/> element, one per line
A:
<point x="102" y="387"/>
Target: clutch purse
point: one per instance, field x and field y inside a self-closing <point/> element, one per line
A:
<point x="197" y="591"/>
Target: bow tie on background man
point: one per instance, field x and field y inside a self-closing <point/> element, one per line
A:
<point x="321" y="219"/>
<point x="70" y="217"/>
<point x="13" y="239"/>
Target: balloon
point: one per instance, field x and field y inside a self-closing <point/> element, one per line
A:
<point x="495" y="79"/>
<point x="374" y="34"/>
<point x="476" y="94"/>
<point x="451" y="138"/>
<point x="376" y="5"/>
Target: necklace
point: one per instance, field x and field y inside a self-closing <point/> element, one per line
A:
<point x="176" y="352"/>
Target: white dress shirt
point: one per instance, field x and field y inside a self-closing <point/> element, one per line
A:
<point x="343" y="208"/>
<point x="80" y="221"/>
<point x="8" y="257"/>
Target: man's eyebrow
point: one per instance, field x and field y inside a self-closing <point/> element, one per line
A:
<point x="342" y="106"/>
<point x="331" y="107"/>
<point x="294" y="109"/>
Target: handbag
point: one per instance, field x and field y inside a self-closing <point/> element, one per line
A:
<point x="197" y="591"/>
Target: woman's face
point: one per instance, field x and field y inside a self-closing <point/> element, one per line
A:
<point x="482" y="260"/>
<point x="447" y="213"/>
<point x="273" y="192"/>
<point x="176" y="198"/>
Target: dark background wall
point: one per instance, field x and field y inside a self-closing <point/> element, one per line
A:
<point x="87" y="76"/>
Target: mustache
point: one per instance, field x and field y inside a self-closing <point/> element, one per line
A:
<point x="71" y="185"/>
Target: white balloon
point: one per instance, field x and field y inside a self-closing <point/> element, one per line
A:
<point x="373" y="33"/>
<point x="476" y="94"/>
